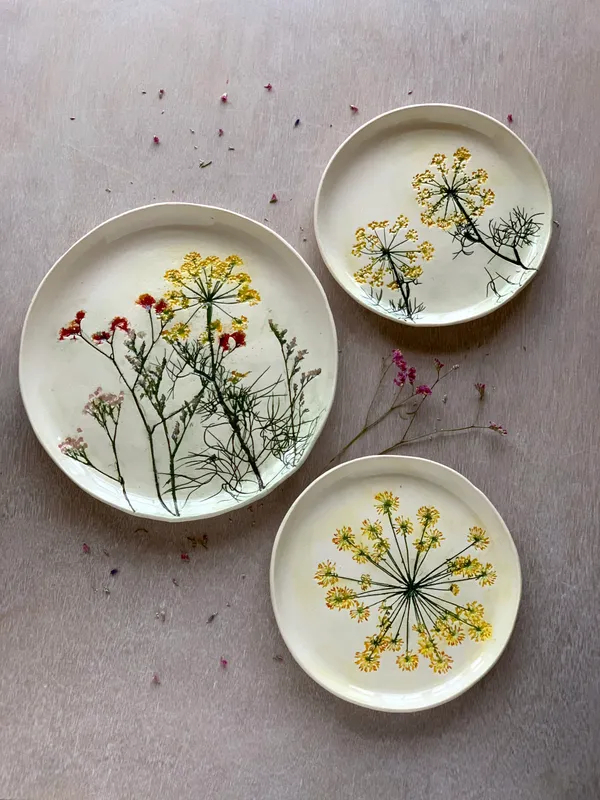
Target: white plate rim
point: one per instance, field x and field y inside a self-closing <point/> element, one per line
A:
<point x="320" y="425"/>
<point x="381" y="312"/>
<point x="315" y="676"/>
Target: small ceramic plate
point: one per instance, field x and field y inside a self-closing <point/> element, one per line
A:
<point x="179" y="361"/>
<point x="433" y="215"/>
<point x="395" y="583"/>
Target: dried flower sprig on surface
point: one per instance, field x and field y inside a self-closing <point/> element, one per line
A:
<point x="409" y="599"/>
<point x="408" y="400"/>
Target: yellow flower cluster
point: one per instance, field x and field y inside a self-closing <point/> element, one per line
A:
<point x="326" y="574"/>
<point x="469" y="567"/>
<point x="198" y="276"/>
<point x="449" y="194"/>
<point x="340" y="597"/>
<point x="478" y="538"/>
<point x="428" y="515"/>
<point x="386" y="502"/>
<point x="177" y="333"/>
<point x="386" y="252"/>
<point x="429" y="541"/>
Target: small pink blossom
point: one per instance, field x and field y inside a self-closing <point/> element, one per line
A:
<point x="156" y="140"/>
<point x="221" y="131"/>
<point x="411" y="375"/>
<point x="438" y="364"/>
<point x="156" y="679"/>
<point x="481" y="389"/>
<point x="185" y="557"/>
<point x="86" y="548"/>
<point x="399" y="359"/>
<point x="493" y="426"/>
<point x="354" y="109"/>
<point x="509" y="118"/>
<point x="268" y="87"/>
<point x="161" y="93"/>
<point x="274" y="198"/>
<point x="223" y="662"/>
<point x="224" y="97"/>
<point x="423" y="389"/>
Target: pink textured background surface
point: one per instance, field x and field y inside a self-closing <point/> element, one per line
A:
<point x="78" y="715"/>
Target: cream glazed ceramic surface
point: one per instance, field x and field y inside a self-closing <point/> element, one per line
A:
<point x="395" y="583"/>
<point x="433" y="215"/>
<point x="179" y="361"/>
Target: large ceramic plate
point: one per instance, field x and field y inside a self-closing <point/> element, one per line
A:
<point x="179" y="361"/>
<point x="433" y="215"/>
<point x="395" y="583"/>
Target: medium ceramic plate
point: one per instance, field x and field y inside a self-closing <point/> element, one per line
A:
<point x="179" y="361"/>
<point x="395" y="583"/>
<point x="433" y="215"/>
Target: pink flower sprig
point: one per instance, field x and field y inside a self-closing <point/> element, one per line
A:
<point x="408" y="400"/>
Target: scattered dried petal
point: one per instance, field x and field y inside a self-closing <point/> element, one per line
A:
<point x="175" y="581"/>
<point x="192" y="130"/>
<point x="224" y="97"/>
<point x="493" y="426"/>
<point x="211" y="618"/>
<point x="296" y="123"/>
<point x="221" y="131"/>
<point x="411" y="91"/>
<point x="72" y="118"/>
<point x="509" y="118"/>
<point x="156" y="679"/>
<point x="185" y="557"/>
<point x="114" y="571"/>
<point x="223" y="662"/>
<point x="156" y="140"/>
<point x="481" y="389"/>
<point x="277" y="658"/>
<point x="268" y="87"/>
<point x="423" y="389"/>
<point x="274" y="198"/>
<point x="231" y="148"/>
<point x="85" y="547"/>
<point x="161" y="93"/>
<point x="354" y="109"/>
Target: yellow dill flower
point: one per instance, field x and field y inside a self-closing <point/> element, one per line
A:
<point x="375" y="225"/>
<point x="386" y="502"/>
<point x="404" y="526"/>
<point x="453" y="635"/>
<point x="340" y="597"/>
<point x="326" y="574"/>
<point x="428" y="515"/>
<point x="174" y="276"/>
<point x="479" y="630"/>
<point x="378" y="642"/>
<point x="360" y="612"/>
<point x="177" y="299"/>
<point x="474" y="610"/>
<point x="239" y="323"/>
<point x="462" y="155"/>
<point x="427" y="250"/>
<point x="435" y="538"/>
<point x="367" y="660"/>
<point x="362" y="554"/>
<point x="478" y="538"/>
<point x="427" y="646"/>
<point x="381" y="546"/>
<point x="412" y="272"/>
<point x="344" y="538"/>
<point x="454" y="588"/>
<point x="247" y="295"/>
<point x="366" y="581"/>
<point x="177" y="333"/>
<point x="411" y="235"/>
<point x="408" y="661"/>
<point x="441" y="662"/>
<point x="396" y="644"/>
<point x="372" y="530"/>
<point x="487" y="576"/>
<point x="479" y="175"/>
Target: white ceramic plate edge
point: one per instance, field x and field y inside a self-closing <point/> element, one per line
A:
<point x="315" y="677"/>
<point x="321" y="424"/>
<point x="379" y="311"/>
